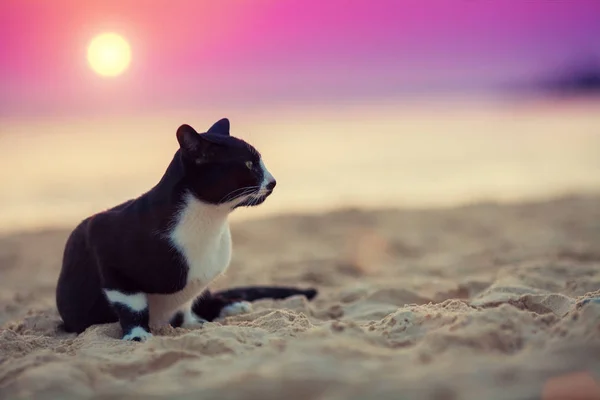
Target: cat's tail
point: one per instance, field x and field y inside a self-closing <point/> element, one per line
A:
<point x="252" y="293"/>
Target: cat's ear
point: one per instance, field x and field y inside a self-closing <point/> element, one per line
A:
<point x="189" y="140"/>
<point x="221" y="127"/>
<point x="193" y="145"/>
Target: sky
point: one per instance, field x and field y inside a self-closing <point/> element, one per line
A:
<point x="198" y="52"/>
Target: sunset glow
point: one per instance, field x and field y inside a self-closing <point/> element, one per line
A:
<point x="109" y="54"/>
<point x="275" y="52"/>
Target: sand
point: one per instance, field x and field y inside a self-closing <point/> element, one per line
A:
<point x="484" y="301"/>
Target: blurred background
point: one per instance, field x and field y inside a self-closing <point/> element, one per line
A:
<point x="394" y="103"/>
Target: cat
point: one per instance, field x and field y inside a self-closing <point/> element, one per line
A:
<point x="148" y="262"/>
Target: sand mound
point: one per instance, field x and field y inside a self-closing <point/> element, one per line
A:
<point x="481" y="302"/>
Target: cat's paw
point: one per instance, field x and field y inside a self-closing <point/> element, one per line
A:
<point x="242" y="307"/>
<point x="137" y="334"/>
<point x="192" y="321"/>
<point x="195" y="323"/>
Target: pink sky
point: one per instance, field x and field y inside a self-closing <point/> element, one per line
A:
<point x="190" y="52"/>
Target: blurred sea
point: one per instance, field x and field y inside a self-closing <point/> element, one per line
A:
<point x="56" y="171"/>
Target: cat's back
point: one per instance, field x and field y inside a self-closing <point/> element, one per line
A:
<point x="77" y="251"/>
<point x="121" y="222"/>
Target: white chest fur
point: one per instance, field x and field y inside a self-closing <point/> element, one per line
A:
<point x="201" y="234"/>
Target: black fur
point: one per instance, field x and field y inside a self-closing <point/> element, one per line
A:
<point x="177" y="319"/>
<point x="125" y="248"/>
<point x="252" y="293"/>
<point x="130" y="319"/>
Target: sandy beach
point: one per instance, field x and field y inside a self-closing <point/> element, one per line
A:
<point x="485" y="301"/>
<point x="437" y="169"/>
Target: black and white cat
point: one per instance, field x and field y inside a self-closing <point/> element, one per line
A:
<point x="148" y="262"/>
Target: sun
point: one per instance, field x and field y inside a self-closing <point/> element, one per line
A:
<point x="109" y="54"/>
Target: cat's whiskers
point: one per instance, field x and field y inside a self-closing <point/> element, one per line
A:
<point x="244" y="194"/>
<point x="258" y="197"/>
<point x="241" y="189"/>
<point x="240" y="196"/>
<point x="244" y="191"/>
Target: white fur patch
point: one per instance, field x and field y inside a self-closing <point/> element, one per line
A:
<point x="135" y="302"/>
<point x="138" y="333"/>
<point x="267" y="177"/>
<point x="242" y="307"/>
<point x="191" y="320"/>
<point x="201" y="234"/>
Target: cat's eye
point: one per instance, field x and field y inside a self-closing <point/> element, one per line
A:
<point x="249" y="164"/>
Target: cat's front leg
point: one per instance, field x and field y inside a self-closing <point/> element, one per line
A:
<point x="133" y="313"/>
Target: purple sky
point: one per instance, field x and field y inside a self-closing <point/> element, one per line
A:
<point x="194" y="52"/>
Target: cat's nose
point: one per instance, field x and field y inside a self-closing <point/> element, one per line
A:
<point x="271" y="185"/>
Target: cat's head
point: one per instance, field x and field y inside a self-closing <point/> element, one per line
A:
<point x="220" y="169"/>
